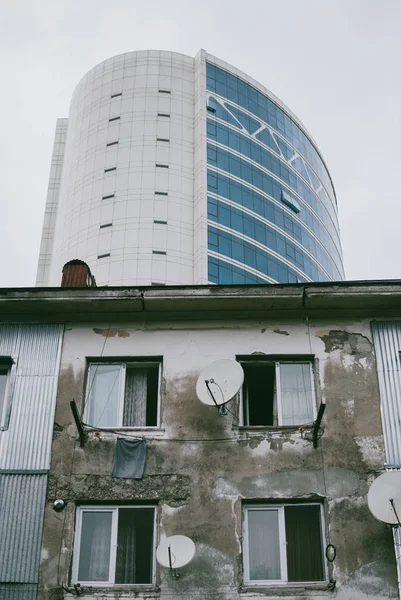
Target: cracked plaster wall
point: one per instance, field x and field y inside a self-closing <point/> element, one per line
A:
<point x="200" y="485"/>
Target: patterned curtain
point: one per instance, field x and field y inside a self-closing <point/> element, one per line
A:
<point x="135" y="398"/>
<point x="127" y="546"/>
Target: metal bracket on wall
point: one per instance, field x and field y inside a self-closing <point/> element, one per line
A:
<point x="78" y="423"/>
<point x="316" y="424"/>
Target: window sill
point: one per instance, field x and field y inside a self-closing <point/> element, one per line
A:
<point x="287" y="589"/>
<point x="270" y="428"/>
<point x="106" y="433"/>
<point x="123" y="590"/>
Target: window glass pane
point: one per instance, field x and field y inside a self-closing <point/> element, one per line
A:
<point x="264" y="545"/>
<point x="3" y="385"/>
<point x="94" y="552"/>
<point x="296" y="394"/>
<point x="135" y="545"/>
<point x="304" y="543"/>
<point x="104" y="386"/>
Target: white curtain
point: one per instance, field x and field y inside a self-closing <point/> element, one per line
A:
<point x="264" y="545"/>
<point x="94" y="554"/>
<point x="296" y="398"/>
<point x="135" y="398"/>
<point x="104" y="396"/>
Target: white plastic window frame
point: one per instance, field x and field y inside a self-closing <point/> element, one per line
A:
<point x="9" y="364"/>
<point x="113" y="545"/>
<point x="282" y="544"/>
<point x="121" y="393"/>
<point x="277" y="364"/>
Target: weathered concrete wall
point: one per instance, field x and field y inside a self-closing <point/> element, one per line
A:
<point x="201" y="466"/>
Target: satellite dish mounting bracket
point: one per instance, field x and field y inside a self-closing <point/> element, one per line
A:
<point x="395" y="511"/>
<point x="220" y="407"/>
<point x="173" y="572"/>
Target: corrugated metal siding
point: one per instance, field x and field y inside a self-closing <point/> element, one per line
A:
<point x="18" y="591"/>
<point x="387" y="343"/>
<point x="22" y="503"/>
<point x="26" y="445"/>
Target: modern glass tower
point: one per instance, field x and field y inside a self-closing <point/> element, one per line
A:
<point x="179" y="170"/>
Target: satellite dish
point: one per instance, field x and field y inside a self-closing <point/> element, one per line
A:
<point x="175" y="551"/>
<point x="219" y="382"/>
<point x="384" y="498"/>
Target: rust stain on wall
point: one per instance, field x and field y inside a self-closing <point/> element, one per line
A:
<point x="111" y="332"/>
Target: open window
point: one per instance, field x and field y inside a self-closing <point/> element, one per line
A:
<point x="114" y="545"/>
<point x="277" y="392"/>
<point x="123" y="394"/>
<point x="7" y="375"/>
<point x="283" y="544"/>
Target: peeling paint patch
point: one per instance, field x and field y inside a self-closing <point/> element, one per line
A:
<point x="335" y="339"/>
<point x="111" y="332"/>
<point x="224" y="488"/>
<point x="281" y="332"/>
<point x="372" y="449"/>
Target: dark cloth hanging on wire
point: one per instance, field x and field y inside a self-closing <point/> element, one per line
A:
<point x="129" y="459"/>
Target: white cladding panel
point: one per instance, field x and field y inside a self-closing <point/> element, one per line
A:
<point x="139" y="251"/>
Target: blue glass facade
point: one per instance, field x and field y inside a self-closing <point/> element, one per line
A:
<point x="272" y="210"/>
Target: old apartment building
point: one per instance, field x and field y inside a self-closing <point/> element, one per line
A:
<point x="271" y="490"/>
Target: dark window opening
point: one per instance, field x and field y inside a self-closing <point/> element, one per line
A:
<point x="164" y="92"/>
<point x="107" y="196"/>
<point x="161" y="166"/>
<point x="105" y="225"/>
<point x="110" y="169"/>
<point x="116" y="95"/>
<point x="162" y="139"/>
<point x="259" y="395"/>
<point x="103" y="255"/>
<point x="160" y="222"/>
<point x="163" y="115"/>
<point x="159" y="252"/>
<point x="211" y="109"/>
<point x="111" y="143"/>
<point x="161" y="193"/>
<point x="114" y="119"/>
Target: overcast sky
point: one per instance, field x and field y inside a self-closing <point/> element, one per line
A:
<point x="335" y="63"/>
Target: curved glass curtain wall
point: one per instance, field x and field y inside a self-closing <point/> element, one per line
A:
<point x="272" y="209"/>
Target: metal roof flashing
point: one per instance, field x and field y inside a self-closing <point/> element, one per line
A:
<point x="365" y="298"/>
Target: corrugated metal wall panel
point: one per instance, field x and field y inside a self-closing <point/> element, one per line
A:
<point x="26" y="445"/>
<point x="9" y="340"/>
<point x="22" y="503"/>
<point x="18" y="591"/>
<point x="387" y="343"/>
